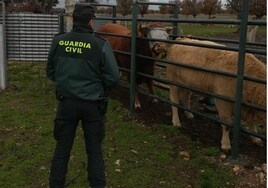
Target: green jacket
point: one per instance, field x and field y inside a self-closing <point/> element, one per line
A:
<point x="82" y="65"/>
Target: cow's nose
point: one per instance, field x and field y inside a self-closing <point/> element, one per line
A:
<point x="163" y="47"/>
<point x="160" y="47"/>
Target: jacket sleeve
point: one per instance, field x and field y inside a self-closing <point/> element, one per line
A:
<point x="109" y="68"/>
<point x="50" y="69"/>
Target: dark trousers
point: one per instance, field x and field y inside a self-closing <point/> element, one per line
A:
<point x="69" y="113"/>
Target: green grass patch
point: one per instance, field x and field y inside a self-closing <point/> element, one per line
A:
<point x="135" y="155"/>
<point x="214" y="30"/>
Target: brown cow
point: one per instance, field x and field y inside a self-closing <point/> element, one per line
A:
<point x="143" y="47"/>
<point x="220" y="60"/>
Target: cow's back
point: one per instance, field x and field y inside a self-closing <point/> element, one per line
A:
<point x="120" y="43"/>
<point x="199" y="56"/>
<point x="123" y="43"/>
<point x="194" y="56"/>
<point x="213" y="59"/>
<point x="117" y="43"/>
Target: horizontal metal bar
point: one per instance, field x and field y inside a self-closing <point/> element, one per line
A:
<point x="27" y="59"/>
<point x="196" y="68"/>
<point x="222" y="40"/>
<point x="192" y="44"/>
<point x="113" y="19"/>
<point x="247" y="131"/>
<point x="155" y="3"/>
<point x="262" y="81"/>
<point x="186" y="109"/>
<point x="248" y="50"/>
<point x="31" y="15"/>
<point x="113" y="34"/>
<point x="250" y="105"/>
<point x="200" y="21"/>
<point x="122" y="52"/>
<point x="96" y="4"/>
<point x="28" y="53"/>
<point x="15" y="28"/>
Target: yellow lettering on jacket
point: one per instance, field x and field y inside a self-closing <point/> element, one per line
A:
<point x="74" y="46"/>
<point x="73" y="50"/>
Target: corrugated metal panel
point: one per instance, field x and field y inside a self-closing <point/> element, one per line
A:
<point x="28" y="36"/>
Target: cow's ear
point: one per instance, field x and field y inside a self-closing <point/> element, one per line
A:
<point x="141" y="30"/>
<point x="168" y="29"/>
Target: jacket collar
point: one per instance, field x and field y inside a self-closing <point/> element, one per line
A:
<point x="82" y="29"/>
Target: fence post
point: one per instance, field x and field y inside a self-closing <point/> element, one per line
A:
<point x="240" y="77"/>
<point x="114" y="13"/>
<point x="133" y="57"/>
<point x="175" y="24"/>
<point x="3" y="74"/>
<point x="61" y="22"/>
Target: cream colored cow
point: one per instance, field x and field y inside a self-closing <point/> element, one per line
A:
<point x="220" y="60"/>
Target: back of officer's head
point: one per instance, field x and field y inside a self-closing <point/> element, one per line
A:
<point x="82" y="14"/>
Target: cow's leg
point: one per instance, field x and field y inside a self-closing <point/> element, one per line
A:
<point x="137" y="100"/>
<point x="252" y="126"/>
<point x="225" y="114"/>
<point x="185" y="99"/>
<point x="151" y="90"/>
<point x="174" y="97"/>
<point x="225" y="139"/>
<point x="254" y="139"/>
<point x="123" y="76"/>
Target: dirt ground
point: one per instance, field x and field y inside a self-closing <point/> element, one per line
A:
<point x="250" y="168"/>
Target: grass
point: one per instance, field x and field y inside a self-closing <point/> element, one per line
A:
<point x="135" y="155"/>
<point x="214" y="30"/>
<point x="207" y="30"/>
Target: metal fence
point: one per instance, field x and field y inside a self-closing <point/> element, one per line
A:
<point x="28" y="36"/>
<point x="242" y="48"/>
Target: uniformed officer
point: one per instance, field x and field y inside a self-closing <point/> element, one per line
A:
<point x="84" y="69"/>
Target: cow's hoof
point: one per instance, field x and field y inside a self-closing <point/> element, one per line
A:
<point x="257" y="141"/>
<point x="154" y="101"/>
<point x="189" y="115"/>
<point x="137" y="106"/>
<point x="176" y="124"/>
<point x="226" y="148"/>
<point x="138" y="109"/>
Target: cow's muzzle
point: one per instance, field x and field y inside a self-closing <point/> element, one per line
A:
<point x="159" y="49"/>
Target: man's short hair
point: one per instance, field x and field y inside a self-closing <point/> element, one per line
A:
<point x="83" y="13"/>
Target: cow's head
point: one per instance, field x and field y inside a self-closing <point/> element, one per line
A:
<point x="156" y="31"/>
